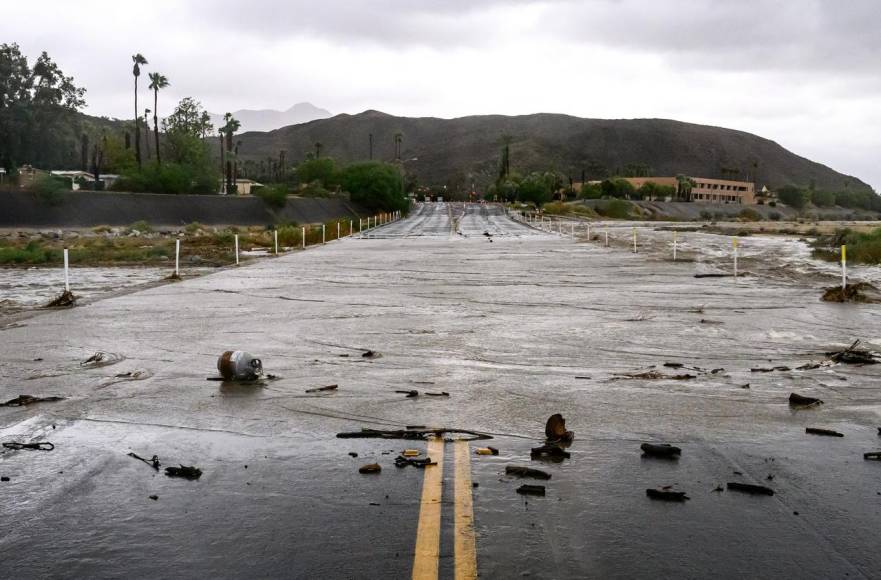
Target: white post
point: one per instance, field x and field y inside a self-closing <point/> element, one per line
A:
<point x="634" y="240"/>
<point x="66" y="274"/>
<point x="322" y="234"/>
<point x="734" y="245"/>
<point x="674" y="245"/>
<point x="843" y="269"/>
<point x="338" y="230"/>
<point x="275" y="237"/>
<point x="607" y="238"/>
<point x="237" y="249"/>
<point x="177" y="258"/>
<point x="303" y="237"/>
<point x="351" y="227"/>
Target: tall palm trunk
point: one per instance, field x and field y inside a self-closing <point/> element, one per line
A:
<point x="137" y="126"/>
<point x="156" y="124"/>
<point x="222" y="166"/>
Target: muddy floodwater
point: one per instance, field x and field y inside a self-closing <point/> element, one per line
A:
<point x="514" y="324"/>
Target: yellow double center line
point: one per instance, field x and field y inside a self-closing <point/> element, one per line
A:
<point x="427" y="553"/>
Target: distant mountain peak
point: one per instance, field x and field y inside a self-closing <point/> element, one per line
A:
<point x="270" y="119"/>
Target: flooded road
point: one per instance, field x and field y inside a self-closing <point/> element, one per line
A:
<point x="514" y="329"/>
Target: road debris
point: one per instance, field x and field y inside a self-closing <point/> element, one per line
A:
<point x="410" y="394"/>
<point x="422" y="434"/>
<point x="873" y="455"/>
<point x="797" y="400"/>
<point x="750" y="488"/>
<point x="853" y="292"/>
<point x="370" y="354"/>
<point x="555" y="430"/>
<point x="4" y="478"/>
<point x="320" y="389"/>
<point x="238" y="365"/>
<point x="153" y="497"/>
<point x="352" y="454"/>
<point x="370" y="468"/>
<point x="410" y="453"/>
<point x="40" y="446"/>
<point x="152" y="462"/>
<point x="440" y="394"/>
<point x="666" y="495"/>
<point x="527" y="489"/>
<point x="664" y="450"/>
<point x="770" y="370"/>
<point x="526" y="472"/>
<point x="185" y="471"/>
<point x="101" y="359"/>
<point x="713" y="275"/>
<point x="853" y="355"/>
<point x="551" y="452"/>
<point x="401" y="461"/>
<point x="67" y="299"/>
<point x="486" y="451"/>
<point x="25" y="400"/>
<point x="826" y="432"/>
<point x="654" y="376"/>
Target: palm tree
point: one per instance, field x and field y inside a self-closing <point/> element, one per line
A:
<point x="138" y="59"/>
<point x="157" y="81"/>
<point x="230" y="126"/>
<point x="399" y="139"/>
<point x="318" y="147"/>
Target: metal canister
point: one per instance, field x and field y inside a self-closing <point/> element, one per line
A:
<point x="238" y="365"/>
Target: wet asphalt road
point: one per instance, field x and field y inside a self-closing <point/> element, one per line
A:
<point x="514" y="330"/>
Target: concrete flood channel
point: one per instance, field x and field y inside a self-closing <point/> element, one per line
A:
<point x="515" y="330"/>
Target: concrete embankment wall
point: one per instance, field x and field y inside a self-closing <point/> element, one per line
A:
<point x="86" y="209"/>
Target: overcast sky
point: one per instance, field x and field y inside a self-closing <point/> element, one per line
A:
<point x="805" y="73"/>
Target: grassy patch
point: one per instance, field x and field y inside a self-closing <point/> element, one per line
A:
<point x="862" y="248"/>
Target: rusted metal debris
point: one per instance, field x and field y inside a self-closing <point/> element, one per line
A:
<point x="663" y="450"/>
<point x="527" y="489"/>
<point x="797" y="400"/>
<point x="319" y="389"/>
<point x="526" y="472"/>
<point x="555" y="430"/>
<point x="826" y="432"/>
<point x="666" y="495"/>
<point x="25" y="400"/>
<point x="750" y="488"/>
<point x="185" y="471"/>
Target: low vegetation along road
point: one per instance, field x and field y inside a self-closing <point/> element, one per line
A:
<point x="514" y="326"/>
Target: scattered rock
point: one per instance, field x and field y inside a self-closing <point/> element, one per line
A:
<point x="666" y="495"/>
<point x="555" y="430"/>
<point x="551" y="452"/>
<point x="153" y="497"/>
<point x="352" y="454"/>
<point x="486" y="451"/>
<point x="185" y="471"/>
<point x="4" y="478"/>
<point x="370" y="468"/>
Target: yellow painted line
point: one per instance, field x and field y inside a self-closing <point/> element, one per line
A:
<point x="425" y="558"/>
<point x="465" y="547"/>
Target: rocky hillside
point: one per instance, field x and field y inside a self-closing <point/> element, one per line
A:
<point x="467" y="149"/>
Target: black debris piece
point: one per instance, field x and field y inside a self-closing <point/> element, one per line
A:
<point x="853" y="355"/>
<point x="873" y="455"/>
<point x="421" y="434"/>
<point x="410" y="394"/>
<point x="352" y="454"/>
<point x="526" y="472"/>
<point x="666" y="495"/>
<point x="826" y="432"/>
<point x="664" y="450"/>
<point x="526" y="489"/>
<point x="25" y="400"/>
<point x="551" y="452"/>
<point x="319" y="389"/>
<point x="41" y="446"/>
<point x="152" y="462"/>
<point x="370" y="468"/>
<point x="750" y="488"/>
<point x="797" y="400"/>
<point x="185" y="471"/>
<point x="401" y="461"/>
<point x="769" y="370"/>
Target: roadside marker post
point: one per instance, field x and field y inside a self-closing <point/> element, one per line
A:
<point x="674" y="246"/>
<point x="303" y="237"/>
<point x="572" y="230"/>
<point x="338" y="230"/>
<point x="843" y="267"/>
<point x="275" y="238"/>
<point x="237" y="249"/>
<point x="66" y="272"/>
<point x="323" y="238"/>
<point x="177" y="258"/>
<point x="634" y="241"/>
<point x="607" y="238"/>
<point x="350" y="228"/>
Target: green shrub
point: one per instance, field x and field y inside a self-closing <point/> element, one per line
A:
<point x="142" y="226"/>
<point x="275" y="196"/>
<point x="774" y="216"/>
<point x="50" y="189"/>
<point x="749" y="214"/>
<point x="615" y="208"/>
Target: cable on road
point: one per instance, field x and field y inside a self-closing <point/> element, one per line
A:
<point x="41" y="446"/>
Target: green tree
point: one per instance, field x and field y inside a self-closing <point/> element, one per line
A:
<point x="537" y="188"/>
<point x="324" y="171"/>
<point x="375" y="186"/>
<point x="157" y="82"/>
<point x="617" y="188"/>
<point x="793" y="196"/>
<point x="138" y="60"/>
<point x="822" y="198"/>
<point x="230" y="126"/>
<point x="591" y="191"/>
